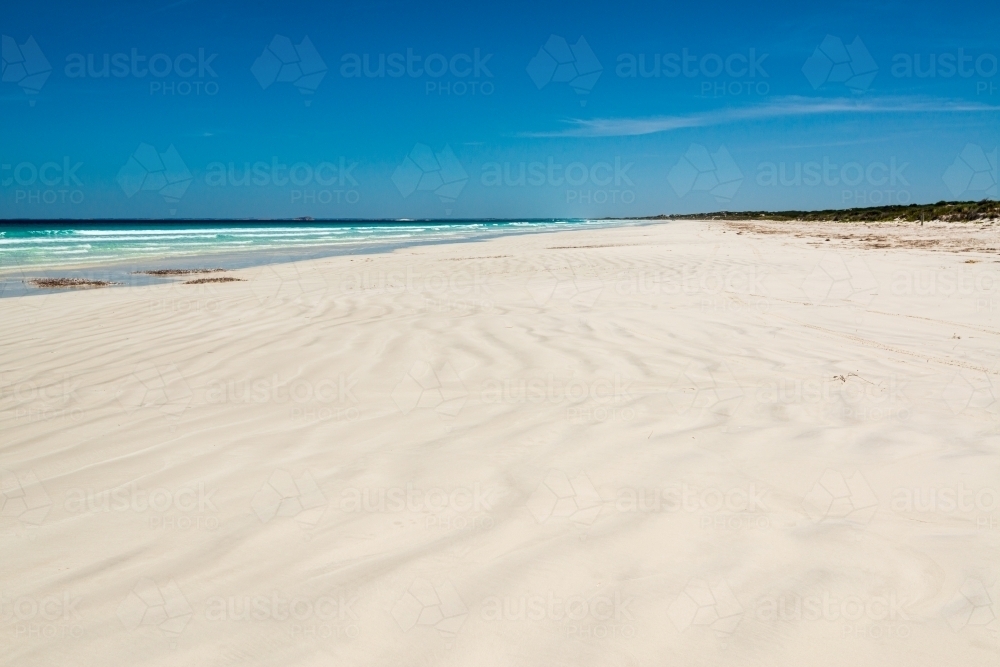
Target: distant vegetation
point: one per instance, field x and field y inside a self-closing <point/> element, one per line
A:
<point x="946" y="211"/>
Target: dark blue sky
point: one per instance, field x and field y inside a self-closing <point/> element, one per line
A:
<point x="393" y="109"/>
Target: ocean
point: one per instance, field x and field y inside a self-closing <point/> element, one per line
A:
<point x="116" y="250"/>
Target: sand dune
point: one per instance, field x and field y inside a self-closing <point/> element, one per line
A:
<point x="660" y="444"/>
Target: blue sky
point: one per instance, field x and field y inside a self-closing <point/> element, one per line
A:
<point x="659" y="108"/>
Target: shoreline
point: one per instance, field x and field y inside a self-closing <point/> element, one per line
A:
<point x="123" y="271"/>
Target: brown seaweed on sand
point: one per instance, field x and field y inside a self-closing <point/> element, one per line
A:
<point x="52" y="283"/>
<point x="177" y="272"/>
<point x="202" y="281"/>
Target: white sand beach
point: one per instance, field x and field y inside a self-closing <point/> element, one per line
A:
<point x="684" y="443"/>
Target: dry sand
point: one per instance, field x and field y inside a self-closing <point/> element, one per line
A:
<point x="673" y="444"/>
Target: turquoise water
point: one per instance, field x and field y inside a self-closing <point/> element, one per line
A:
<point x="119" y="252"/>
<point x="82" y="245"/>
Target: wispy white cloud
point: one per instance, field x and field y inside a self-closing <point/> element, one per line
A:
<point x="778" y="108"/>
